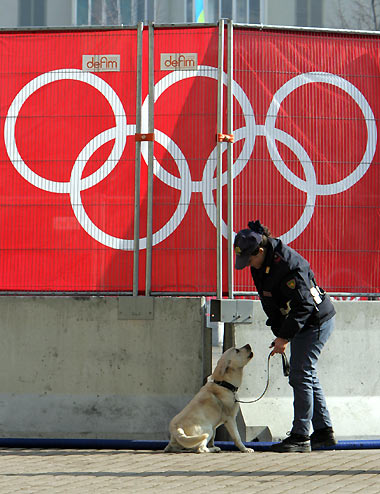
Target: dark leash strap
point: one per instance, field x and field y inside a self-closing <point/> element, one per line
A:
<point x="285" y="371"/>
<point x="285" y="365"/>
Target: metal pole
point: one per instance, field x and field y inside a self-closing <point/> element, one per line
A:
<point x="149" y="228"/>
<point x="230" y="182"/>
<point x="136" y="244"/>
<point x="219" y="125"/>
<point x="263" y="11"/>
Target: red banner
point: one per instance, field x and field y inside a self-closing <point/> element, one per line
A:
<point x="313" y="172"/>
<point x="305" y="157"/>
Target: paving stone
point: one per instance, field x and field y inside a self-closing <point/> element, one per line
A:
<point x="108" y="471"/>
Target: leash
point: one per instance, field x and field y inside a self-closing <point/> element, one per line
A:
<point x="285" y="371"/>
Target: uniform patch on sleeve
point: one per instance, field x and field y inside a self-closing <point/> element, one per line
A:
<point x="291" y="284"/>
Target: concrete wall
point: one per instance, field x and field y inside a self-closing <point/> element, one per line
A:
<point x="122" y="367"/>
<point x="99" y="367"/>
<point x="349" y="370"/>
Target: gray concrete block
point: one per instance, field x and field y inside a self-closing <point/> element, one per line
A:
<point x="71" y="367"/>
<point x="348" y="371"/>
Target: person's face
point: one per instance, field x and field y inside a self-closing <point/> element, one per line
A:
<point x="257" y="261"/>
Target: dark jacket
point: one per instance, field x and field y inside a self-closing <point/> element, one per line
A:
<point x="283" y="283"/>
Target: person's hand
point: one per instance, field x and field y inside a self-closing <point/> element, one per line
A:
<point x="278" y="345"/>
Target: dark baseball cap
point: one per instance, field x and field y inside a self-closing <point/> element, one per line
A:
<point x="245" y="244"/>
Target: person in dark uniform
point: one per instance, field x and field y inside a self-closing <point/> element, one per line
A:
<point x="300" y="313"/>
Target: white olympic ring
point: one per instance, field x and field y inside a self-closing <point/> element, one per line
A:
<point x="359" y="99"/>
<point x="28" y="90"/>
<point x="184" y="183"/>
<point x="311" y="187"/>
<point x="91" y="228"/>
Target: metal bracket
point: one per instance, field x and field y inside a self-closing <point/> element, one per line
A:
<point x="235" y="311"/>
<point x="144" y="137"/>
<point x="225" y="137"/>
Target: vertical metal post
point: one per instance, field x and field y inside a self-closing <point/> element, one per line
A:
<point x="149" y="227"/>
<point x="219" y="124"/>
<point x="136" y="244"/>
<point x="89" y="20"/>
<point x="263" y="11"/>
<point x="230" y="182"/>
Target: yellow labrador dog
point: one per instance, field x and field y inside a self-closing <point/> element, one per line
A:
<point x="193" y="429"/>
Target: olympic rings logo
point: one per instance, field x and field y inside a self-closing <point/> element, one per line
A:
<point x="184" y="183"/>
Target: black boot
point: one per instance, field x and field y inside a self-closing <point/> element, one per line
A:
<point x="322" y="438"/>
<point x="295" y="443"/>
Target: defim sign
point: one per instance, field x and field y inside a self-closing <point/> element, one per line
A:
<point x="101" y="63"/>
<point x="179" y="61"/>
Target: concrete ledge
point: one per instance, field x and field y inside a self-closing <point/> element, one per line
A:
<point x="70" y="367"/>
<point x="348" y="371"/>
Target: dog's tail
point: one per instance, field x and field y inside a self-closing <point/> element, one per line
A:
<point x="188" y="441"/>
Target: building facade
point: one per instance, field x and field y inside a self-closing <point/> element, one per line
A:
<point x="335" y="14"/>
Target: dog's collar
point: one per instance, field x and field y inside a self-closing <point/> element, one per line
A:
<point x="227" y="385"/>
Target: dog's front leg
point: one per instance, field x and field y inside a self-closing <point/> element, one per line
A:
<point x="212" y="438"/>
<point x="211" y="446"/>
<point x="234" y="433"/>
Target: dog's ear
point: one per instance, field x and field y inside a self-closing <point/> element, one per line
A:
<point x="220" y="369"/>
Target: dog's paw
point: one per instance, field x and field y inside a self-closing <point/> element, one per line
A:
<point x="248" y="450"/>
<point x="214" y="449"/>
<point x="202" y="449"/>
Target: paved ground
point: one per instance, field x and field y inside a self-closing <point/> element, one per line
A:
<point x="105" y="471"/>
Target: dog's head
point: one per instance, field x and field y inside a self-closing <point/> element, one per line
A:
<point x="233" y="359"/>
